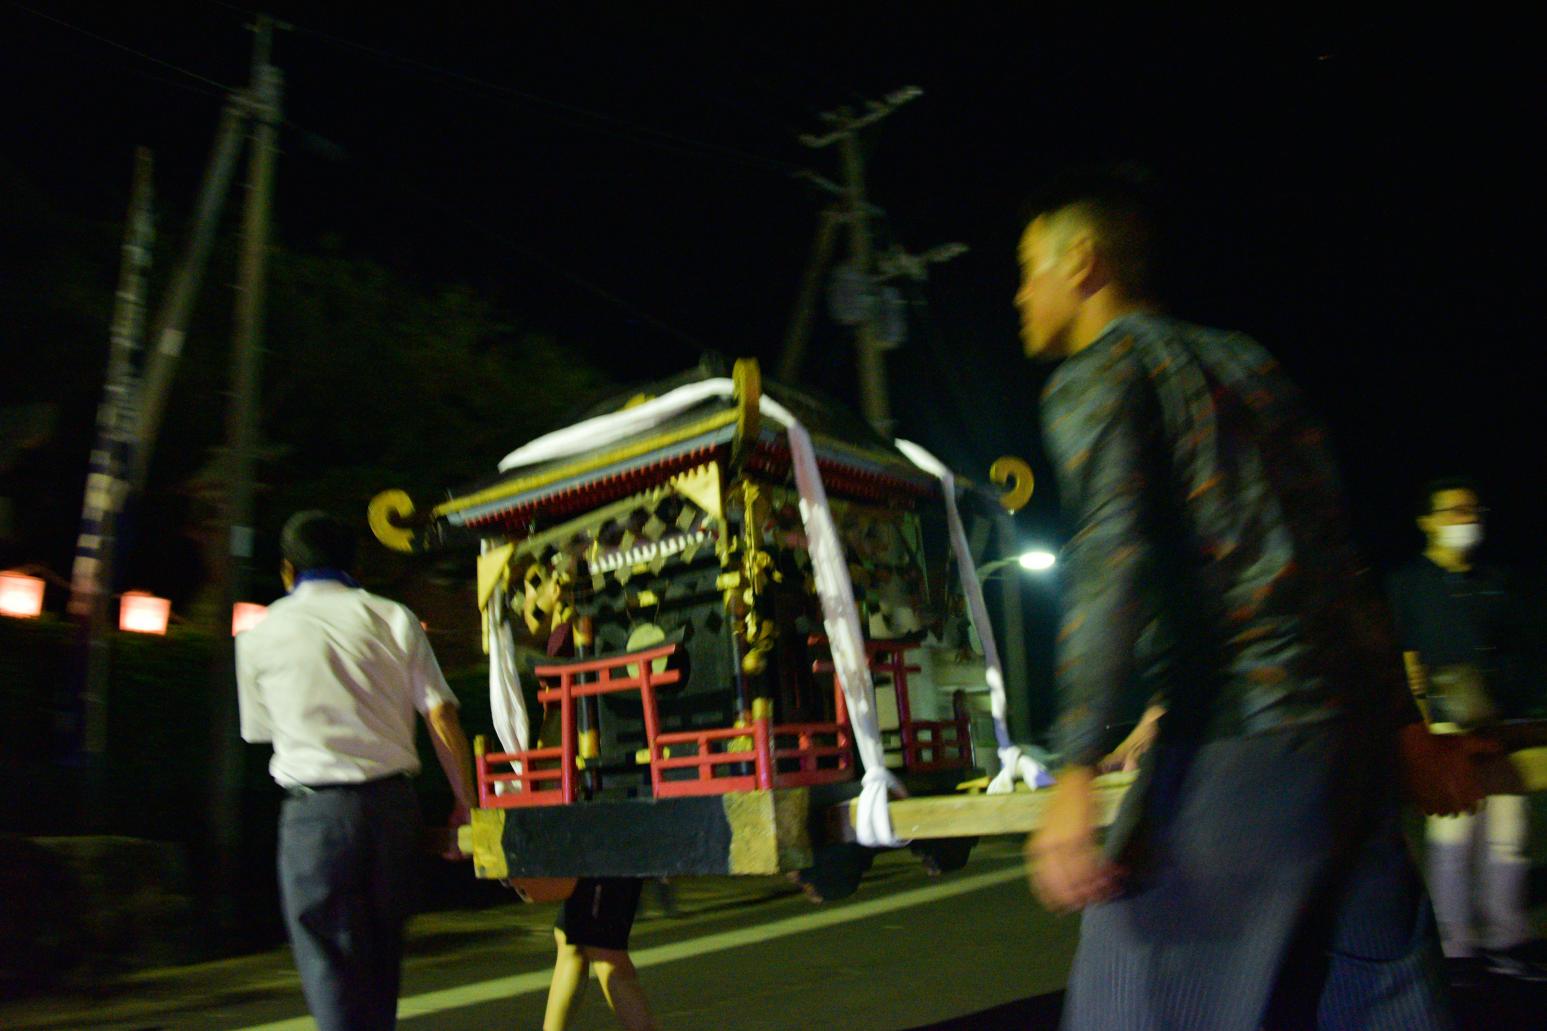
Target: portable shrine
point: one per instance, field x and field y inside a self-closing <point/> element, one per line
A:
<point x="710" y="614"/>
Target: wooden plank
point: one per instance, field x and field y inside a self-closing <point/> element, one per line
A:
<point x="1520" y="773"/>
<point x="766" y="832"/>
<point x="746" y="833"/>
<point x="962" y="816"/>
<point x="967" y="816"/>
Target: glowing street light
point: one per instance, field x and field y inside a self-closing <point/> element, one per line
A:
<point x="21" y="596"/>
<point x="143" y="613"/>
<point x="1038" y="560"/>
<point x="245" y="615"/>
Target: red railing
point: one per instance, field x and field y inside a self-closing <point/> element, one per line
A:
<point x="808" y="755"/>
<point x="747" y="768"/>
<point x="645" y="681"/>
<point x="759" y="755"/>
<point x="947" y="743"/>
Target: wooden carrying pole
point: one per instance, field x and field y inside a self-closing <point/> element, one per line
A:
<point x="1022" y="812"/>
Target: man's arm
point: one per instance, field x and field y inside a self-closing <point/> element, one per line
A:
<point x="433" y="697"/>
<point x="255" y="725"/>
<point x="1096" y="422"/>
<point x="1096" y="434"/>
<point x="1417" y="682"/>
<point x="456" y="758"/>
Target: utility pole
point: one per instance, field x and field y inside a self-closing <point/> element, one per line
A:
<point x="798" y="332"/>
<point x="171" y="324"/>
<point x="870" y="345"/>
<point x="242" y="442"/>
<point x="874" y="398"/>
<point x="91" y="582"/>
<point x="1012" y="656"/>
<point x="247" y="339"/>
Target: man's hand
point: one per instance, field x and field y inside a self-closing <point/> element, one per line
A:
<point x="1066" y="869"/>
<point x="1440" y="770"/>
<point x="1125" y="757"/>
<point x="460" y="817"/>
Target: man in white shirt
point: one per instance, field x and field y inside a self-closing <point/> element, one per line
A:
<point x="333" y="677"/>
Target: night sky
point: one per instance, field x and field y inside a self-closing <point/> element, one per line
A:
<point x="1359" y="193"/>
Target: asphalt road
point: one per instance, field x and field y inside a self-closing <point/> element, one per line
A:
<point x="907" y="950"/>
<point x="969" y="950"/>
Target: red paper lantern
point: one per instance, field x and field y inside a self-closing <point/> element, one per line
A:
<point x="143" y="613"/>
<point x="21" y="596"/>
<point x="245" y="615"/>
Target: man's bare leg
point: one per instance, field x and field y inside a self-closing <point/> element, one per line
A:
<point x="620" y="983"/>
<point x="571" y="973"/>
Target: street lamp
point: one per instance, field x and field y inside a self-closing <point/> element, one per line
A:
<point x="1037" y="560"/>
<point x="21" y="596"/>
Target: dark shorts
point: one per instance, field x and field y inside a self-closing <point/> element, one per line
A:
<point x="600" y="912"/>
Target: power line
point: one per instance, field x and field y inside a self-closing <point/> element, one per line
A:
<point x="189" y="87"/>
<point x="481" y="226"/>
<point x="532" y="254"/>
<point x="577" y="116"/>
<point x="115" y="44"/>
<point x="539" y="258"/>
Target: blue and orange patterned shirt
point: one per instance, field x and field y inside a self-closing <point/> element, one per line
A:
<point x="1210" y="559"/>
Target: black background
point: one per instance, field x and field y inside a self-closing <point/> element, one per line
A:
<point x="1359" y="192"/>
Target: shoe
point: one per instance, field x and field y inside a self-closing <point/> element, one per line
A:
<point x="1513" y="964"/>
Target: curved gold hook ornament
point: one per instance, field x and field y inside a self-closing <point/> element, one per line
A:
<point x="1007" y="469"/>
<point x="747" y="380"/>
<point x="391" y="516"/>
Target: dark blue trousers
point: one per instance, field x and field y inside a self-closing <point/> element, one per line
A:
<point x="346" y="881"/>
<point x="1271" y="888"/>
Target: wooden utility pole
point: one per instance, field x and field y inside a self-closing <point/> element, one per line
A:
<point x="1012" y="653"/>
<point x="235" y="570"/>
<point x="91" y="583"/>
<point x="874" y="397"/>
<point x="170" y="327"/>
<point x="247" y="353"/>
<point x="798" y="333"/>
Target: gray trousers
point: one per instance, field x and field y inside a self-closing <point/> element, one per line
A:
<point x="1479" y="867"/>
<point x="1271" y="888"/>
<point x="346" y="865"/>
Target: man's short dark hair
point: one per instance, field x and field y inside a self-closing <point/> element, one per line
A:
<point x="317" y="540"/>
<point x="1443" y="483"/>
<point x="1119" y="204"/>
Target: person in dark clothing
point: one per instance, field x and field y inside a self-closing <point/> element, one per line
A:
<point x="1454" y="624"/>
<point x="594" y="923"/>
<point x="592" y="932"/>
<point x="1256" y="875"/>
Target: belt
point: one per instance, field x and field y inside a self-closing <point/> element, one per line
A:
<point x="306" y="790"/>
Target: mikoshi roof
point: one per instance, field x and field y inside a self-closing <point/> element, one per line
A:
<point x="855" y="461"/>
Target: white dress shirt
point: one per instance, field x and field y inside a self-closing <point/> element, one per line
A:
<point x="332" y="677"/>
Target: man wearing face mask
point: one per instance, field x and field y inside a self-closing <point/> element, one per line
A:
<point x="1453" y="622"/>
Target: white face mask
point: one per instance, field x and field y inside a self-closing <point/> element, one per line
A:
<point x="1459" y="536"/>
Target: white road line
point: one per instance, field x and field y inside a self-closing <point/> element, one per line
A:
<point x="536" y="980"/>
